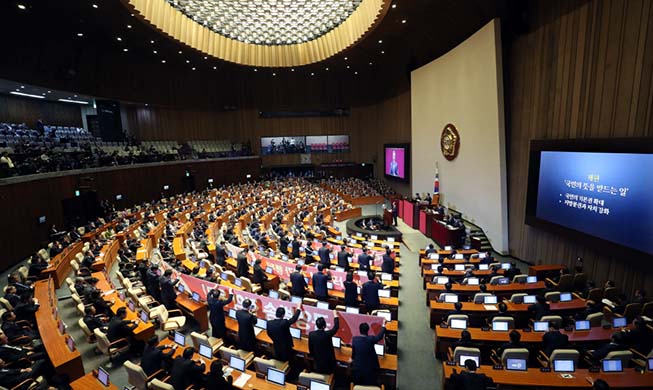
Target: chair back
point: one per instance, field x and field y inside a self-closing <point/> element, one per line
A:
<point x="226" y="353"/>
<point x="495" y="279"/>
<point x="136" y="376"/>
<point x="465" y="351"/>
<point x="156" y="384"/>
<point x="520" y="278"/>
<point x="441" y="297"/>
<point x="624" y="356"/>
<point x="81" y="309"/>
<point x="305" y="379"/>
<point x="631" y="311"/>
<point x="457" y="317"/>
<point x="514" y="353"/>
<point x="86" y="330"/>
<point x="566" y="283"/>
<point x="479" y="297"/>
<point x="102" y="341"/>
<point x="284" y="294"/>
<point x="261" y="365"/>
<point x="595" y="319"/>
<point x="6" y="303"/>
<point x="553" y="296"/>
<point x="517" y="298"/>
<point x="365" y="387"/>
<point x="565" y="354"/>
<point x="310" y="301"/>
<point x="611" y="293"/>
<point x="647" y="309"/>
<point x="74" y="265"/>
<point x="580" y="281"/>
<point x="198" y="339"/>
<point x="552" y="319"/>
<point x="595" y="294"/>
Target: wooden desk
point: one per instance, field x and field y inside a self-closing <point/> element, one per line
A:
<point x="60" y="268"/>
<point x="199" y="311"/>
<point x="64" y="361"/>
<point x="501" y="290"/>
<point x="443" y="235"/>
<point x="179" y="248"/>
<point x="90" y="382"/>
<point x="545" y="270"/>
<point x="347" y="214"/>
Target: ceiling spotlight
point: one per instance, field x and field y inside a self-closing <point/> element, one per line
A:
<point x="146" y="105"/>
<point x="380" y="40"/>
<point x="326" y="68"/>
<point x="163" y="61"/>
<point x="382" y="51"/>
<point x="355" y="72"/>
<point x="346" y="58"/>
<point x="255" y="70"/>
<point x="403" y="21"/>
<point x="215" y="67"/>
<point x="119" y="39"/>
<point x="80" y="34"/>
<point x="21" y="6"/>
<point x="292" y="70"/>
<point x="125" y="49"/>
<point x="155" y="52"/>
<point x="312" y="74"/>
<point x="188" y="61"/>
<point x="74" y="95"/>
<point x="152" y="41"/>
<point x="206" y="58"/>
<point x="49" y="91"/>
<point x="94" y="6"/>
<point x="129" y="26"/>
<point x="179" y="51"/>
<point x="274" y="74"/>
<point x="370" y="64"/>
<point x="22" y="87"/>
<point x="348" y="66"/>
<point x="394" y="5"/>
<point x="193" y="68"/>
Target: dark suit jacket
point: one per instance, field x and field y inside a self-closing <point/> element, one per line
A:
<point x="553" y="340"/>
<point x="364" y="261"/>
<point x="152" y="359"/>
<point x="298" y="284"/>
<point x="242" y="268"/>
<point x="388" y="265"/>
<point x="279" y="332"/>
<point x="183" y="373"/>
<point x="119" y="329"/>
<point x="216" y="315"/>
<point x="351" y="294"/>
<point x="365" y="363"/>
<point x="259" y="275"/>
<point x="11" y="354"/>
<point x="295" y="249"/>
<point x="470" y="381"/>
<point x="321" y="349"/>
<point x="343" y="260"/>
<point x="324" y="252"/>
<point x="168" y="294"/>
<point x="370" y="295"/>
<point x="320" y="285"/>
<point x="246" y="335"/>
<point x="539" y="310"/>
<point x="220" y="255"/>
<point x="218" y="383"/>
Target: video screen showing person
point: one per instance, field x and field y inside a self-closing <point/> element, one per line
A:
<point x="283" y="145"/>
<point x="395" y="165"/>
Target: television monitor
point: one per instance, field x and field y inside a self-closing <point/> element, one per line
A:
<point x="516" y="365"/>
<point x="463" y="358"/>
<point x="196" y="297"/>
<point x="284" y="257"/>
<point x="223" y="276"/>
<point x="541" y="326"/>
<point x="70" y="343"/>
<point x="619" y="322"/>
<point x="180" y="339"/>
<point x="118" y="197"/>
<point x="459" y="267"/>
<point x="500" y="326"/>
<point x="565" y="297"/>
<point x="448" y="248"/>
<point x="103" y="376"/>
<point x="434" y="266"/>
<point x="283" y="145"/>
<point x="232" y="313"/>
<point x="442" y="280"/>
<point x="490" y="300"/>
<point x="273" y="294"/>
<point x="530" y="299"/>
<point x="385" y="314"/>
<point x="181" y="288"/>
<point x="206" y="351"/>
<point x="563" y="365"/>
<point x="269" y="270"/>
<point x="483" y="267"/>
<point x="354" y="310"/>
<point x="131" y="305"/>
<point x="531" y="279"/>
<point x="41" y="219"/>
<point x="144" y="316"/>
<point x="397" y="162"/>
<point x="450" y="298"/>
<point x="323" y="305"/>
<point x="296" y="333"/>
<point x="611" y="365"/>
<point x="650" y="364"/>
<point x="582" y="325"/>
<point x="121" y="296"/>
<point x="261" y="323"/>
<point x="504" y="281"/>
<point x="336" y="342"/>
<point x="473" y="281"/>
<point x="316" y="385"/>
<point x="505" y="265"/>
<point x="239" y="282"/>
<point x="295" y="299"/>
<point x="277" y="377"/>
<point x="386" y="276"/>
<point x="433" y="256"/>
<point x="237" y="363"/>
<point x="383" y="293"/>
<point x="166" y="187"/>
<point x="583" y="189"/>
<point x="330" y="285"/>
<point x="339" y="269"/>
<point x="459" y="256"/>
<point x="379" y="349"/>
<point x="458" y="323"/>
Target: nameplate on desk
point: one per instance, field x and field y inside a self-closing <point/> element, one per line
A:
<point x="526" y="330"/>
<point x="594" y="369"/>
<point x="444" y="326"/>
<point x="451" y="363"/>
<point x="485" y="328"/>
<point x="545" y="369"/>
<point x="497" y="367"/>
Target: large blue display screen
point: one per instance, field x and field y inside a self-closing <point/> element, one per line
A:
<point x="607" y="195"/>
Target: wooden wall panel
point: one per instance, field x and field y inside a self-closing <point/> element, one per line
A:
<point x="583" y="70"/>
<point x="29" y="110"/>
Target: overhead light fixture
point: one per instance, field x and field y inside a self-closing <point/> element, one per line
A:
<point x="155" y="52"/>
<point x="22" y="87"/>
<point x="125" y="49"/>
<point x="49" y="91"/>
<point x="146" y="105"/>
<point x="292" y="70"/>
<point x="380" y="40"/>
<point x="255" y="70"/>
<point x="74" y="95"/>
<point x="72" y="101"/>
<point x="188" y="61"/>
<point x="326" y="68"/>
<point x="403" y="21"/>
<point x="348" y="66"/>
<point x="193" y="68"/>
<point x="129" y="26"/>
<point x="215" y="67"/>
<point x="312" y="74"/>
<point x="394" y="5"/>
<point x="152" y="42"/>
<point x="94" y="6"/>
<point x="80" y="34"/>
<point x="119" y="39"/>
<point x="206" y="58"/>
<point x="21" y="6"/>
<point x="382" y="51"/>
<point x="27" y="95"/>
<point x="346" y="58"/>
<point x="356" y="72"/>
<point x="370" y="64"/>
<point x="179" y="51"/>
<point x="274" y="74"/>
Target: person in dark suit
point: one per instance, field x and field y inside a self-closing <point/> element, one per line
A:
<point x="469" y="379"/>
<point x="320" y="345"/>
<point x="154" y="358"/>
<point x="298" y="282"/>
<point x="343" y="259"/>
<point x="92" y="321"/>
<point x="185" y="371"/>
<point x="242" y="267"/>
<point x="220" y="254"/>
<point x="539" y="308"/>
<point x="351" y="291"/>
<point x="120" y="328"/>
<point x="639" y="337"/>
<point x="370" y="292"/>
<point x="364" y="260"/>
<point x="320" y="280"/>
<point x="458" y="309"/>
<point x="365" y="363"/>
<point x="388" y="265"/>
<point x="11" y="353"/>
<point x="215" y="380"/>
<point x="13" y="330"/>
<point x="216" y="315"/>
<point x="617" y="343"/>
<point x="168" y="293"/>
<point x="11" y="377"/>
<point x="324" y="254"/>
<point x="279" y="331"/>
<point x="430" y="249"/>
<point x="395" y="212"/>
<point x="283" y="244"/>
<point x="515" y="342"/>
<point x="246" y="321"/>
<point x="464" y="341"/>
<point x="259" y="276"/>
<point x="295" y="249"/>
<point x="553" y="339"/>
<point x="152" y="283"/>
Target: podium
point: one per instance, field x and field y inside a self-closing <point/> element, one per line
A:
<point x="387" y="217"/>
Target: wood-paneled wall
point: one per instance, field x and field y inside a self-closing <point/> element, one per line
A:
<point x="583" y="70"/>
<point x="29" y="110"/>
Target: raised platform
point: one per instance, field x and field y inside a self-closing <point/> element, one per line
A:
<point x="354" y="226"/>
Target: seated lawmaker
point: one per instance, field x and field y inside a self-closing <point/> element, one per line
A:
<point x="617" y="343"/>
<point x="554" y="339"/>
<point x="515" y="342"/>
<point x="640" y="337"/>
<point x="186" y="371"/>
<point x="154" y="358"/>
<point x="469" y="379"/>
<point x="215" y="379"/>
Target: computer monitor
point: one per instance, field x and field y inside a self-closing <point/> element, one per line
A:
<point x="386" y="276"/>
<point x="354" y="310"/>
<point x="180" y="339"/>
<point x="450" y="298"/>
<point x="481" y="255"/>
<point x="530" y="299"/>
<point x="541" y="326"/>
<point x="196" y="297"/>
<point x="323" y="305"/>
<point x="473" y="281"/>
<point x="582" y="325"/>
<point x="232" y="313"/>
<point x="433" y="256"/>
<point x="331" y="256"/>
<point x="131" y="305"/>
<point x="239" y="282"/>
<point x="490" y="300"/>
<point x="650" y="364"/>
<point x="531" y="279"/>
<point x="448" y="248"/>
<point x="237" y="363"/>
<point x="261" y="323"/>
<point x="379" y="349"/>
<point x="306" y="280"/>
<point x="359" y="234"/>
<point x="504" y="281"/>
<point x="273" y="294"/>
<point x="459" y="267"/>
<point x="563" y="365"/>
<point x="284" y="257"/>
<point x="300" y="261"/>
<point x="458" y="256"/>
<point x="463" y="358"/>
<point x="121" y="296"/>
<point x="505" y="265"/>
<point x="269" y="270"/>
<point x="330" y="285"/>
<point x="619" y="322"/>
<point x="70" y="343"/>
<point x="611" y="365"/>
<point x="277" y="377"/>
<point x="434" y="266"/>
<point x="144" y="316"/>
<point x="339" y="269"/>
<point x="315" y="385"/>
<point x="181" y="288"/>
<point x="295" y="299"/>
<point x="385" y="315"/>
<point x="103" y="376"/>
<point x="516" y="365"/>
<point x="483" y="267"/>
<point x="223" y="276"/>
<point x="296" y="333"/>
<point x="458" y="324"/>
<point x="206" y="351"/>
<point x="442" y="280"/>
<point x="383" y="293"/>
<point x="565" y="297"/>
<point x="202" y="263"/>
<point x="336" y="342"/>
<point x="62" y="327"/>
<point x="500" y="326"/>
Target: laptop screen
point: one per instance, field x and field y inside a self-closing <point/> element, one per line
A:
<point x="274" y="294"/>
<point x="611" y="365"/>
<point x="490" y="300"/>
<point x="335" y="341"/>
<point x="451" y="298"/>
<point x="384" y="293"/>
<point x="619" y="322"/>
<point x="531" y="279"/>
<point x="354" y="310"/>
<point x="323" y="305"/>
<point x="180" y="288"/>
<point x="563" y="366"/>
<point x="650" y="364"/>
<point x="582" y="325"/>
<point x="386" y="276"/>
<point x="315" y="385"/>
<point x="530" y="299"/>
<point x="458" y="256"/>
<point x="144" y="316"/>
<point x="463" y="358"/>
<point x="442" y="280"/>
<point x="277" y="377"/>
<point x="379" y="349"/>
<point x="458" y="324"/>
<point x="103" y="376"/>
<point x="473" y="281"/>
<point x="565" y="297"/>
<point x="541" y="326"/>
<point x="459" y="267"/>
<point x="505" y="265"/>
<point x="223" y="276"/>
<point x="180" y="339"/>
<point x="131" y="305"/>
<point x="504" y="281"/>
<point x="483" y="267"/>
<point x="196" y="297"/>
<point x="433" y="256"/>
<point x="237" y="363"/>
<point x="269" y="270"/>
<point x="330" y="285"/>
<point x="386" y="315"/>
<point x="295" y="299"/>
<point x="261" y="323"/>
<point x="206" y="351"/>
<point x="232" y="313"/>
<point x="296" y="333"/>
<point x="516" y="364"/>
<point x="239" y="282"/>
<point x="499" y="326"/>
